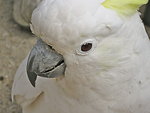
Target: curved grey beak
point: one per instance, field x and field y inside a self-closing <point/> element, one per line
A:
<point x="44" y="61"/>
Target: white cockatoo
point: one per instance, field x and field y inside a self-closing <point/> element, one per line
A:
<point x="93" y="57"/>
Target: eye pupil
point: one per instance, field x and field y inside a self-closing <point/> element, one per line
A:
<point x="86" y="47"/>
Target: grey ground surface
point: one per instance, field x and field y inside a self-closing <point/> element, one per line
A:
<point x="15" y="42"/>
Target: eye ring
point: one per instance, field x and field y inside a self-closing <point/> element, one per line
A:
<point x="86" y="47"/>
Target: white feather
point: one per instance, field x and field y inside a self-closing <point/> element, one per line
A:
<point x="114" y="78"/>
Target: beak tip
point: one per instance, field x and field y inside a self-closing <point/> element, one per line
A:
<point x="32" y="78"/>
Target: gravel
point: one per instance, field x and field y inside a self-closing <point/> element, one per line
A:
<point x="15" y="42"/>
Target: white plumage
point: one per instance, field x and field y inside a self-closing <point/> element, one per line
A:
<point x="114" y="77"/>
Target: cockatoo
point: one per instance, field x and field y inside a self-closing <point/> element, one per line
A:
<point x="22" y="11"/>
<point x="93" y="57"/>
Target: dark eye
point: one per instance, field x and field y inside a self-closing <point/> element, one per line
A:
<point x="86" y="47"/>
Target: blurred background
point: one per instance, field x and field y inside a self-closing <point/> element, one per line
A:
<point x="15" y="42"/>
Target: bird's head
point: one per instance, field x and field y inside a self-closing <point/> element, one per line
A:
<point x="85" y="34"/>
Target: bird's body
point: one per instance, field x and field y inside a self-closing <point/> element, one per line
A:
<point x="114" y="77"/>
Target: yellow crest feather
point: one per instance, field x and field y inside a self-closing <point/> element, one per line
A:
<point x="126" y="7"/>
